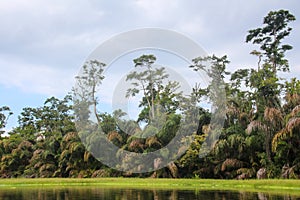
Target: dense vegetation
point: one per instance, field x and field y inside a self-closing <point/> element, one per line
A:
<point x="261" y="132"/>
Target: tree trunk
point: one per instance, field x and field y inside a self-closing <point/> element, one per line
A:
<point x="95" y="104"/>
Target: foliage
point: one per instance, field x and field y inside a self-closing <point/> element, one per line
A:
<point x="5" y="113"/>
<point x="260" y="133"/>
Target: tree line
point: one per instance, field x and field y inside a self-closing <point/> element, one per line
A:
<point x="260" y="136"/>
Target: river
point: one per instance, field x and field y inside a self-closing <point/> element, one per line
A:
<point x="93" y="193"/>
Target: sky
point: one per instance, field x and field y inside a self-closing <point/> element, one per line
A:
<point x="43" y="44"/>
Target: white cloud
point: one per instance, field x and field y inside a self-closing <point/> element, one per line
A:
<point x="30" y="78"/>
<point x="40" y="26"/>
<point x="157" y="10"/>
<point x="54" y="37"/>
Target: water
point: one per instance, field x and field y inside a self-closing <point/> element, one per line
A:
<point x="93" y="193"/>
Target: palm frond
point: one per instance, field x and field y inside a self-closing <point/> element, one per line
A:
<point x="153" y="142"/>
<point x="114" y="136"/>
<point x="295" y="111"/>
<point x="173" y="169"/>
<point x="86" y="156"/>
<point x="281" y="135"/>
<point x="70" y="136"/>
<point x="255" y="126"/>
<point x="76" y="146"/>
<point x="25" y="145"/>
<point x="293" y="124"/>
<point x="206" y="129"/>
<point x="244" y="116"/>
<point x="273" y="116"/>
<point x="230" y="164"/>
<point x="64" y="154"/>
<point x="136" y="145"/>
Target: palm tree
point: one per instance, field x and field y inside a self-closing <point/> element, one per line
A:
<point x="268" y="125"/>
<point x="286" y="142"/>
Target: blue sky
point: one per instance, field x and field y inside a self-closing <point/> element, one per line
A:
<point x="44" y="43"/>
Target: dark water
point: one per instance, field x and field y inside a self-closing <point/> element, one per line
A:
<point x="92" y="193"/>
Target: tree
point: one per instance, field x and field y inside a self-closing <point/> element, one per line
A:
<point x="165" y="101"/>
<point x="5" y="113"/>
<point x="108" y="123"/>
<point x="54" y="117"/>
<point x="85" y="91"/>
<point x="148" y="80"/>
<point x="285" y="143"/>
<point x="215" y="68"/>
<point x="265" y="81"/>
<point x="270" y="37"/>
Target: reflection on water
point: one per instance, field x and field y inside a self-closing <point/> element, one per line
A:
<point x="92" y="193"/>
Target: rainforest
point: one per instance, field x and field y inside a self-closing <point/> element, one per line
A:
<point x="259" y="139"/>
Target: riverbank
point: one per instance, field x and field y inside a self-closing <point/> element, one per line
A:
<point x="267" y="185"/>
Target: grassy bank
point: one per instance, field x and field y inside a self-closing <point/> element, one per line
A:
<point x="268" y="185"/>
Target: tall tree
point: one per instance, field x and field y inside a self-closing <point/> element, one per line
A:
<point x="265" y="81"/>
<point x="148" y="80"/>
<point x="215" y="68"/>
<point x="270" y="36"/>
<point x="85" y="91"/>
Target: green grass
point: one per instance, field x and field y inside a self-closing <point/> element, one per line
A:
<point x="267" y="185"/>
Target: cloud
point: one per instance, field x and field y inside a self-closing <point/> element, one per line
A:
<point x="51" y="39"/>
<point x="30" y="78"/>
<point x="50" y="30"/>
<point x="157" y="10"/>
